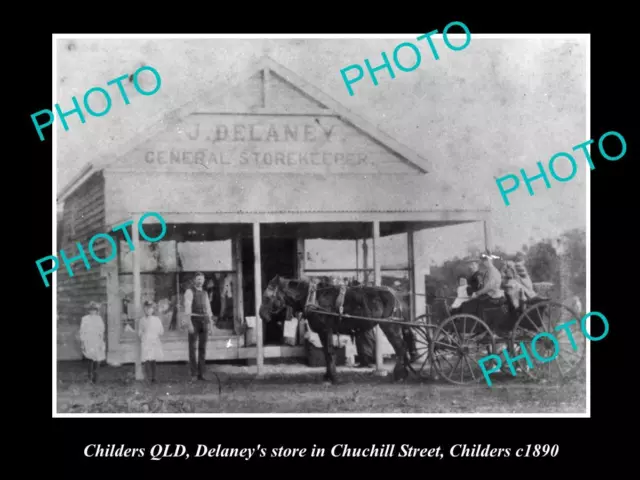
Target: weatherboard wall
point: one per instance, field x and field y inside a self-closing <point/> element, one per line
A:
<point x="83" y="216"/>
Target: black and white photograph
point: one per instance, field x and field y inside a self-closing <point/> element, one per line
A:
<point x="321" y="225"/>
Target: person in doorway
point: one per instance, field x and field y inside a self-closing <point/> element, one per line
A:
<point x="274" y="330"/>
<point x="213" y="290"/>
<point x="150" y="330"/>
<point x="92" y="339"/>
<point x="197" y="312"/>
<point x="226" y="302"/>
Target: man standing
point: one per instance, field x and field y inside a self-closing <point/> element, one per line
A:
<point x="197" y="311"/>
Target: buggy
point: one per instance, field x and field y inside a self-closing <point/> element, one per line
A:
<point x="451" y="344"/>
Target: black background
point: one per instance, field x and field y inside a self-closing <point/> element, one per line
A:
<point x="583" y="443"/>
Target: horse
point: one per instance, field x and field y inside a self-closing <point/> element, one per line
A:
<point x="362" y="301"/>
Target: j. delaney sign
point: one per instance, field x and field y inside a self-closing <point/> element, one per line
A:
<point x="294" y="144"/>
<point x="259" y="133"/>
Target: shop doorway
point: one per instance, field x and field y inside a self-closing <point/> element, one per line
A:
<point x="278" y="258"/>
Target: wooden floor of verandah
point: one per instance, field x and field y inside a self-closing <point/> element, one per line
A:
<point x="180" y="352"/>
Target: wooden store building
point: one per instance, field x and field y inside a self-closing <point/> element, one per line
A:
<point x="251" y="183"/>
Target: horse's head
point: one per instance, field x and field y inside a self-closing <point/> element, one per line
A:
<point x="282" y="293"/>
<point x="273" y="301"/>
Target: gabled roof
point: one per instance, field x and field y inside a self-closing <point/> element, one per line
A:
<point x="176" y="116"/>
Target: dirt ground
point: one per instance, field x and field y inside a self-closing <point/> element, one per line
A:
<point x="296" y="388"/>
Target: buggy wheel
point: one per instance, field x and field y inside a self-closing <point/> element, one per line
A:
<point x="545" y="317"/>
<point x="420" y="363"/>
<point x="457" y="346"/>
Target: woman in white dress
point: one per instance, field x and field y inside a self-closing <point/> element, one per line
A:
<point x="150" y="330"/>
<point x="92" y="339"/>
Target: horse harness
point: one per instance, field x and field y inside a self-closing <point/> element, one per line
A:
<point x="311" y="304"/>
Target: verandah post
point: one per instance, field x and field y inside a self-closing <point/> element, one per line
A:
<point x="238" y="294"/>
<point x="137" y="295"/>
<point x="377" y="282"/>
<point x="412" y="271"/>
<point x="257" y="274"/>
<point x="488" y="240"/>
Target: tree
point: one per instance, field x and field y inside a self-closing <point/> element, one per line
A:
<point x="542" y="262"/>
<point x="447" y="274"/>
<point x="576" y="257"/>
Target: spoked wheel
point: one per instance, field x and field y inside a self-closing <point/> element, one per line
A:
<point x="423" y="332"/>
<point x="544" y="318"/>
<point x="458" y="344"/>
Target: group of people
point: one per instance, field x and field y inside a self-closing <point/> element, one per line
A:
<point x="486" y="286"/>
<point x="92" y="330"/>
<point x="197" y="320"/>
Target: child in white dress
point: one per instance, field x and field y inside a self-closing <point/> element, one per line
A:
<point x="461" y="295"/>
<point x="150" y="330"/>
<point x="92" y="339"/>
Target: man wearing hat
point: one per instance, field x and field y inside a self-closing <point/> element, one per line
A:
<point x="198" y="318"/>
<point x="490" y="294"/>
<point x="474" y="282"/>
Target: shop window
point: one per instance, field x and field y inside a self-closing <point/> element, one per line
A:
<point x="215" y="260"/>
<point x="206" y="256"/>
<point x="158" y="287"/>
<point x="167" y="270"/>
<point x="155" y="257"/>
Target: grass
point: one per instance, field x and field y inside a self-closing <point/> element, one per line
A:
<point x="299" y="389"/>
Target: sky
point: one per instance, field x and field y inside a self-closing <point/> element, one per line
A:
<point x="491" y="109"/>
